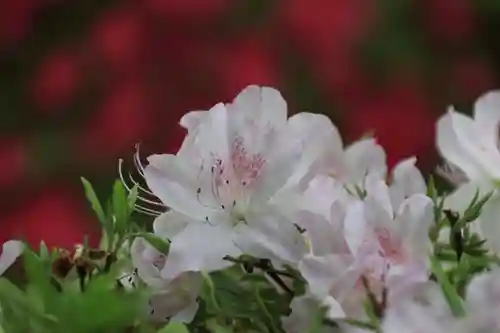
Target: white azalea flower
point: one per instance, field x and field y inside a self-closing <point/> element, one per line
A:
<point x="387" y="249"/>
<point x="471" y="145"/>
<point x="414" y="317"/>
<point x="483" y="302"/>
<point x="11" y="250"/>
<point x="233" y="161"/>
<point x="174" y="300"/>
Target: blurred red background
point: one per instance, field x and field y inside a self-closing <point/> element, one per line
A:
<point x="82" y="81"/>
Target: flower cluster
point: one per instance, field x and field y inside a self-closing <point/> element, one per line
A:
<point x="269" y="223"/>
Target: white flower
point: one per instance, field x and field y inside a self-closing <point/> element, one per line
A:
<point x="483" y="302"/>
<point x="232" y="162"/>
<point x="350" y="165"/>
<point x="175" y="299"/>
<point x="11" y="250"/>
<point x="471" y="144"/>
<point x="389" y="250"/>
<point x="414" y="317"/>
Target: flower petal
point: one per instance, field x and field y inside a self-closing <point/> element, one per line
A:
<point x="11" y="250"/>
<point x="490" y="224"/>
<point x="378" y="198"/>
<point x="170" y="224"/>
<point x="263" y="104"/>
<point x="412" y="222"/>
<point x="192" y="119"/>
<point x="271" y="235"/>
<point x="173" y="180"/>
<point x="200" y="247"/>
<point x="363" y="157"/>
<point x="406" y="181"/>
<point x="452" y="133"/>
<point x="323" y="150"/>
<point x="487" y="115"/>
<point x="145" y="268"/>
<point x="187" y="314"/>
<point x="355" y="226"/>
<point x="301" y="318"/>
<point x="326" y="237"/>
<point x="330" y="275"/>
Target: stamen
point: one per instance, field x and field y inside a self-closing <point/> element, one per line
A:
<point x="129" y="189"/>
<point x="137" y="160"/>
<point x="142" y="190"/>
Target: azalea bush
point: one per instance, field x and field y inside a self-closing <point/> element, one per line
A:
<point x="267" y="223"/>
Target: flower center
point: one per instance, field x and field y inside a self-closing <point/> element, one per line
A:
<point x="228" y="185"/>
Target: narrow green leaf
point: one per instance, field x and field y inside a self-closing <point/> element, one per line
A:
<point x="94" y="201"/>
<point x="44" y="252"/>
<point x="431" y="189"/>
<point x="451" y="295"/>
<point x="132" y="198"/>
<point x="120" y="207"/>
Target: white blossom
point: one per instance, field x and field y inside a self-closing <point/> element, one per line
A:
<point x="232" y="162"/>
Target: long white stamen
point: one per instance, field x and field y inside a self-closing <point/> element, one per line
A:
<point x="137" y="160"/>
<point x="138" y="207"/>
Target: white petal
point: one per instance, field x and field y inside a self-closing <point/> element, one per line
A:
<point x="487" y="115"/>
<point x="145" y="269"/>
<point x="406" y="181"/>
<point x="451" y="139"/>
<point x="322" y="145"/>
<point x="334" y="309"/>
<point x="263" y="104"/>
<point x="187" y="314"/>
<point x="364" y="157"/>
<point x="413" y="318"/>
<point x="173" y="180"/>
<point x="413" y="220"/>
<point x="170" y="224"/>
<point x="200" y="247"/>
<point x="178" y="300"/>
<point x="355" y="226"/>
<point x="489" y="223"/>
<point x="378" y="196"/>
<point x="11" y="250"/>
<point x="192" y="119"/>
<point x="212" y="134"/>
<point x="303" y="311"/>
<point x="281" y="163"/>
<point x="272" y="236"/>
<point x="326" y="237"/>
<point x="330" y="275"/>
<point x="484" y="291"/>
<point x="322" y="192"/>
<point x="405" y="280"/>
<point x="460" y="199"/>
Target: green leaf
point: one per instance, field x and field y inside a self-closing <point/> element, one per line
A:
<point x="174" y="328"/>
<point x="94" y="201"/>
<point x="120" y="207"/>
<point x="451" y="295"/>
<point x="44" y="252"/>
<point x="158" y="243"/>
<point x="132" y="198"/>
<point x="431" y="189"/>
<point x="208" y="293"/>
